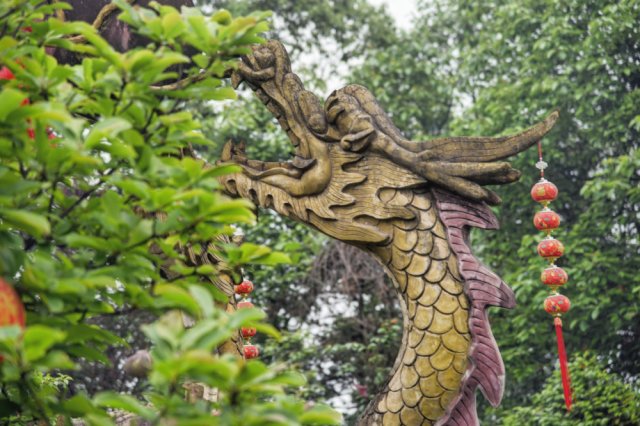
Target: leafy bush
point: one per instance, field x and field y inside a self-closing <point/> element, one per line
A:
<point x="100" y="193"/>
<point x="601" y="399"/>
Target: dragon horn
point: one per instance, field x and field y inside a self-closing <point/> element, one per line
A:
<point x="486" y="149"/>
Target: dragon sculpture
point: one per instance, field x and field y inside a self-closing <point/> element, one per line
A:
<point x="355" y="178"/>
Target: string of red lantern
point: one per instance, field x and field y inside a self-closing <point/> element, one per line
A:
<point x="6" y="74"/>
<point x="553" y="276"/>
<point x="244" y="289"/>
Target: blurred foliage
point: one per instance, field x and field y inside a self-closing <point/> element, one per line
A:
<point x="97" y="202"/>
<point x="602" y="398"/>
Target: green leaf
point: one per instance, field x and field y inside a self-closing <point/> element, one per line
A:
<point x="172" y="25"/>
<point x="206" y="335"/>
<point x="222" y="170"/>
<point x="321" y="415"/>
<point x="170" y="295"/>
<point x="38" y="339"/>
<point x="123" y="402"/>
<point x="79" y="406"/>
<point x="57" y="360"/>
<point x="10" y="100"/>
<point x="86" y="241"/>
<point x="29" y="222"/>
<point x="288" y="378"/>
<point x="273" y="258"/>
<point x="89" y="353"/>
<point x="245" y="316"/>
<point x="108" y="127"/>
<point x="223" y="93"/>
<point x="267" y="329"/>
<point x="204" y="299"/>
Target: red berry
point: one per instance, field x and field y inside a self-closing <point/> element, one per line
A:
<point x="6" y="74"/>
<point x="546" y="220"/>
<point x="550" y="248"/>
<point x="248" y="332"/>
<point x="554" y="276"/>
<point x="11" y="307"/>
<point x="244" y="288"/>
<point x="245" y="305"/>
<point x="544" y="191"/>
<point x="251" y="351"/>
<point x="557" y="304"/>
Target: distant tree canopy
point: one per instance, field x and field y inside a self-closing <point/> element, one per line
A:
<point x="602" y="399"/>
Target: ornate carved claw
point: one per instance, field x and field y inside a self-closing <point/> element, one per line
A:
<point x="410" y="204"/>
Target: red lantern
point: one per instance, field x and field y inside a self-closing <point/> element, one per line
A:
<point x="557" y="304"/>
<point x="6" y="74"/>
<point x="251" y="351"/>
<point x="554" y="276"/>
<point x="546" y="220"/>
<point x="550" y="248"/>
<point x="248" y="332"/>
<point x="11" y="307"/>
<point x="244" y="288"/>
<point x="544" y="192"/>
<point x="245" y="304"/>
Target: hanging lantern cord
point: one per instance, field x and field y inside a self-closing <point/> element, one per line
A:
<point x="541" y="164"/>
<point x="564" y="369"/>
<point x="540" y="161"/>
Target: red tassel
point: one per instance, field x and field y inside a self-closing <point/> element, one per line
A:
<point x="564" y="369"/>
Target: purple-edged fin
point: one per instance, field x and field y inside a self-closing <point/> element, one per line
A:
<point x="483" y="288"/>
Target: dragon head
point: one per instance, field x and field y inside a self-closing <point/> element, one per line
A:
<point x="348" y="153"/>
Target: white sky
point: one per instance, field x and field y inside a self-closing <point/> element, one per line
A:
<point x="401" y="10"/>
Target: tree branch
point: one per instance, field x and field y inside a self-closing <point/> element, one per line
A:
<point x="181" y="84"/>
<point x="97" y="23"/>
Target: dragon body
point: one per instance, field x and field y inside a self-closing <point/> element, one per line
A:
<point x="433" y="357"/>
<point x="355" y="178"/>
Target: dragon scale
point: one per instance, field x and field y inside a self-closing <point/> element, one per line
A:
<point x="434" y="353"/>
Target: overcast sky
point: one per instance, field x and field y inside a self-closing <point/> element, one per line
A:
<point x="401" y="10"/>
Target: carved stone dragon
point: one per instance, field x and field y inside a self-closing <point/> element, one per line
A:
<point x="410" y="204"/>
